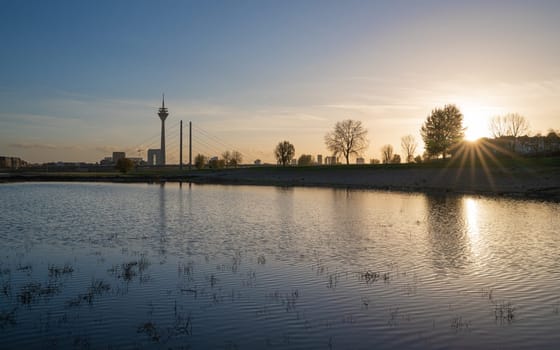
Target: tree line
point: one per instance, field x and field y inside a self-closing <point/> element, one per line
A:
<point x="442" y="131"/>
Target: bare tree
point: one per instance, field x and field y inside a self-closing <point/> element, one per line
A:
<point x="511" y="124"/>
<point x="517" y="125"/>
<point x="347" y="138"/>
<point x="236" y="158"/>
<point x="227" y="157"/>
<point x="284" y="152"/>
<point x="232" y="159"/>
<point x="498" y="126"/>
<point x="386" y="154"/>
<point x="396" y="159"/>
<point x="408" y="145"/>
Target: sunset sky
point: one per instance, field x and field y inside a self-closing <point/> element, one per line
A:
<point x="80" y="79"/>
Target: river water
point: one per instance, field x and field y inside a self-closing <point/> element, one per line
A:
<point x="127" y="266"/>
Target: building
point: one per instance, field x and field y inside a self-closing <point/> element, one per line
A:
<point x="332" y="160"/>
<point x="360" y="160"/>
<point x="11" y="163"/>
<point x="154" y="157"/>
<point x="319" y="159"/>
<point x="107" y="161"/>
<point x="117" y="156"/>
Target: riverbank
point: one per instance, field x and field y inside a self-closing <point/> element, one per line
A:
<point x="513" y="181"/>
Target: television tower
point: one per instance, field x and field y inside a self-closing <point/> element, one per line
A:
<point x="162" y="113"/>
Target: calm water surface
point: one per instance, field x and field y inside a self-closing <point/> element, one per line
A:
<point x="220" y="267"/>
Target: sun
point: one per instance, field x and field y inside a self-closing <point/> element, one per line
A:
<point x="476" y="120"/>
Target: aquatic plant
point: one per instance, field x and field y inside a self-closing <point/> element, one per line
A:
<point x="32" y="290"/>
<point x="55" y="271"/>
<point x="370" y="276"/>
<point x="97" y="287"/>
<point x="504" y="312"/>
<point x="8" y="318"/>
<point x="458" y="323"/>
<point x="151" y="330"/>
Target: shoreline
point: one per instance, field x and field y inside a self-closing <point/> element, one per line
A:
<point x="514" y="182"/>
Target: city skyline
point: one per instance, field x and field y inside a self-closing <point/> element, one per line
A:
<point x="81" y="80"/>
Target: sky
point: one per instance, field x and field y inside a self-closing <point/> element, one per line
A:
<point x="81" y="79"/>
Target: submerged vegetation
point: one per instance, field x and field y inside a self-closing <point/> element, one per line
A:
<point x="394" y="265"/>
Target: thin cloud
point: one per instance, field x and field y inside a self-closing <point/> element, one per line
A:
<point x="50" y="146"/>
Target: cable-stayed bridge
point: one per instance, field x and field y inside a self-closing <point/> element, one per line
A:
<point x="203" y="142"/>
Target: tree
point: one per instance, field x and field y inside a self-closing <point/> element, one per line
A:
<point x="517" y="125"/>
<point x="442" y="130"/>
<point x="418" y="159"/>
<point x="236" y="158"/>
<point x="227" y="157"/>
<point x="124" y="165"/>
<point x="347" y="138"/>
<point x="216" y="163"/>
<point x="233" y="158"/>
<point x="374" y="161"/>
<point x="305" y="160"/>
<point x="200" y="161"/>
<point x="408" y="145"/>
<point x="396" y="159"/>
<point x="284" y="152"/>
<point x="386" y="154"/>
<point x="511" y="124"/>
<point x="498" y="126"/>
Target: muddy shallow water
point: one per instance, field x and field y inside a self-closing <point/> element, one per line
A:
<point x="122" y="266"/>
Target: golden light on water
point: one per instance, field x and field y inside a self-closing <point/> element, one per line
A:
<point x="471" y="214"/>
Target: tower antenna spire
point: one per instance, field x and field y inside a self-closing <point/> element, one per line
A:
<point x="163" y="100"/>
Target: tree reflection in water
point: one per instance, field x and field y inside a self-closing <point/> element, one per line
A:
<point x="448" y="233"/>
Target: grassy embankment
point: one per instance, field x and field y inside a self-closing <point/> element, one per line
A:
<point x="518" y="177"/>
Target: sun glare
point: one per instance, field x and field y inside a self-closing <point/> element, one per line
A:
<point x="475" y="120"/>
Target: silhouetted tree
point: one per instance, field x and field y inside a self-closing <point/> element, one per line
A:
<point x="200" y="161"/>
<point x="347" y="138"/>
<point x="511" y="124"/>
<point x="227" y="157"/>
<point x="305" y="160"/>
<point x="418" y="159"/>
<point x="232" y="159"/>
<point x="284" y="152"/>
<point x="124" y="165"/>
<point x="408" y="145"/>
<point x="374" y="161"/>
<point x="386" y="154"/>
<point x="216" y="163"/>
<point x="236" y="158"/>
<point x="396" y="159"/>
<point x="442" y="130"/>
<point x="498" y="126"/>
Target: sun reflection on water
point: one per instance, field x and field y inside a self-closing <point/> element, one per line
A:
<point x="472" y="216"/>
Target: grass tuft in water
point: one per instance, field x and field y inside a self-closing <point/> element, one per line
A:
<point x="8" y="318"/>
<point x="504" y="312"/>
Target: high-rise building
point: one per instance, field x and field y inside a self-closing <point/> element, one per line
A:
<point x="117" y="156"/>
<point x="162" y="113"/>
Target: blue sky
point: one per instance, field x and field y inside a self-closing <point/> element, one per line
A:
<point x="79" y="79"/>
